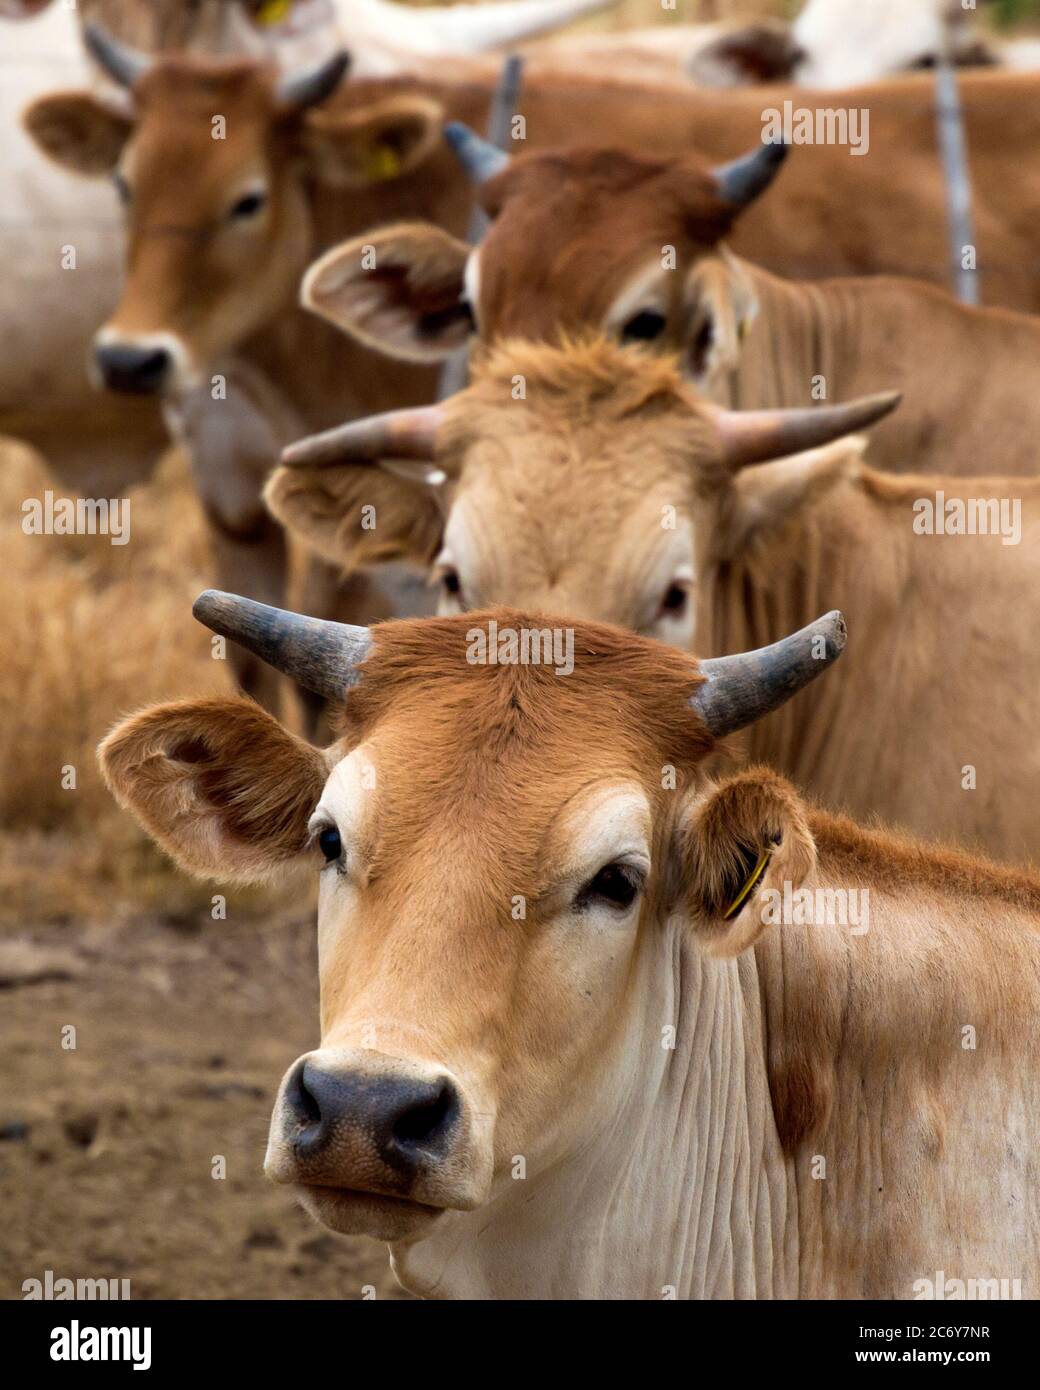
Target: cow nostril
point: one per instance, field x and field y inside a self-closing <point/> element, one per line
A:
<point x="304" y="1104"/>
<point x="426" y="1120"/>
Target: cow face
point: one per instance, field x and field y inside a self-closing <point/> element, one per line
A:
<point x="498" y="849"/>
<point x="846" y="43"/>
<point x="212" y="163"/>
<point x="588" y="480"/>
<point x="580" y="241"/>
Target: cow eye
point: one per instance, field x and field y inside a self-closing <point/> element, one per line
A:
<point x="330" y="843"/>
<point x="643" y="327"/>
<point x="674" y="602"/>
<point x="616" y="884"/>
<point x="445" y="576"/>
<point x="247" y="206"/>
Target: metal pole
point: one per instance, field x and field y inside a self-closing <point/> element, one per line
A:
<point x="954" y="150"/>
<point x="503" y="108"/>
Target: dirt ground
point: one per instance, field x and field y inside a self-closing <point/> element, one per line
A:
<point x="107" y="1151"/>
<point x="183" y="1025"/>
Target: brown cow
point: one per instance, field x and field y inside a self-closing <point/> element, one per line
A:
<point x="46" y="396"/>
<point x="636" y="246"/>
<point x="610" y="491"/>
<point x="593" y="1025"/>
<point x="833" y="212"/>
<point x="219" y="231"/>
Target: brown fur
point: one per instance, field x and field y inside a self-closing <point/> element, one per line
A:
<point x="574" y="229"/>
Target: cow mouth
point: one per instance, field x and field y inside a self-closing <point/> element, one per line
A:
<point x="350" y="1211"/>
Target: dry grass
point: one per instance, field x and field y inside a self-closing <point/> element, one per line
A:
<point x="90" y="632"/>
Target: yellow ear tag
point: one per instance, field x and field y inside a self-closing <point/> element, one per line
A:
<point x="383" y="163"/>
<point x="273" y="11"/>
<point x="752" y="883"/>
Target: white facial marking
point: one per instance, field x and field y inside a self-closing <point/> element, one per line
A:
<point x="471" y="284"/>
<point x="610" y="824"/>
<point x="343" y="804"/>
<point x="461" y="552"/>
<point x="647" y="291"/>
<point x="669" y="565"/>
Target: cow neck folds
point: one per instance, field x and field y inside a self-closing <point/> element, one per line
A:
<point x="682" y="1191"/>
<point x="788" y="347"/>
<point x="778" y="585"/>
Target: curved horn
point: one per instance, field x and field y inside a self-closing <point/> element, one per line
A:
<point x="300" y="90"/>
<point x="754" y="436"/>
<point x="740" y="689"/>
<point x="124" y="65"/>
<point x="479" y="158"/>
<point x="321" y="656"/>
<point x="401" y="434"/>
<point x="741" y="181"/>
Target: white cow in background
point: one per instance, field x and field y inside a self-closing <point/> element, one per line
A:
<point x="844" y="43"/>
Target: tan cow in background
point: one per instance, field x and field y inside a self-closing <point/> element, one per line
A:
<point x="603" y="487"/>
<point x="576" y="1039"/>
<point x="382" y="160"/>
<point x="53" y="307"/>
<point x="636" y="246"/>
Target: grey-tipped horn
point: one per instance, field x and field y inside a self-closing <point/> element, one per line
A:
<point x="321" y="656"/>
<point x="754" y="436"/>
<point x="479" y="158"/>
<point x="401" y="434"/>
<point x="741" y="181"/>
<point x="124" y="65"/>
<point x="300" y="90"/>
<point x="740" y="689"/>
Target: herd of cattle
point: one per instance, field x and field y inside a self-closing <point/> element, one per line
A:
<point x="616" y="999"/>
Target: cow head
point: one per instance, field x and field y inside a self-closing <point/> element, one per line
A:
<point x="622" y="244"/>
<point x="844" y="43"/>
<point x="499" y="846"/>
<point x="213" y="163"/>
<point x="500" y="488"/>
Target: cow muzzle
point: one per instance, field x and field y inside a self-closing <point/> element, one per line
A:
<point x="145" y="365"/>
<point x="375" y="1145"/>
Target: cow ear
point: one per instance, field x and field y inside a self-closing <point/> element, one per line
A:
<point x="720" y="306"/>
<point x="745" y="56"/>
<point x="399" y="290"/>
<point x="352" y="149"/>
<point x="219" y="784"/>
<point x="745" y="838"/>
<point x="77" y="131"/>
<point x="766" y="495"/>
<point x="355" y="514"/>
